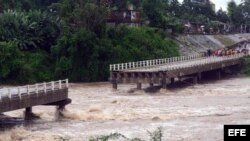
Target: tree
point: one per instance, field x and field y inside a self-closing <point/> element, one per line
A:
<point x="174" y="8"/>
<point x="26" y="5"/>
<point x="81" y="14"/>
<point x="222" y="16"/>
<point x="156" y="12"/>
<point x="246" y="10"/>
<point x="234" y="13"/>
<point x="30" y="30"/>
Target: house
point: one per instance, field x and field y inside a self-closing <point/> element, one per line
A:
<point x="194" y="28"/>
<point x="129" y="16"/>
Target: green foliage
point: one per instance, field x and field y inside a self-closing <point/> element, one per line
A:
<point x="82" y="56"/>
<point x="54" y="39"/>
<point x="155" y="12"/>
<point x="21" y="67"/>
<point x="154" y="136"/>
<point x="79" y="14"/>
<point x="30" y="30"/>
<point x="246" y="69"/>
<point x="10" y="65"/>
<point x="26" y="5"/>
<point x="222" y="16"/>
<point x="112" y="136"/>
<point x="235" y="13"/>
<point x="77" y="52"/>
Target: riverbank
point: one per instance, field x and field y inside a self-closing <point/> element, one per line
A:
<point x="191" y="44"/>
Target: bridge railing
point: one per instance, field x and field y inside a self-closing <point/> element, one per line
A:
<point x="208" y="60"/>
<point x="34" y="89"/>
<point x="154" y="62"/>
<point x="170" y="62"/>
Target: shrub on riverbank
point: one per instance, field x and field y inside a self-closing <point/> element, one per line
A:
<point x="82" y="56"/>
<point x="246" y="68"/>
<point x="154" y="136"/>
<point x="74" y="42"/>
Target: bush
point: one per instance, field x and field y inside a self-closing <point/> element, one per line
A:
<point x="12" y="68"/>
<point x="30" y="30"/>
<point x="82" y="56"/>
<point x="154" y="136"/>
<point x="246" y="68"/>
<point x="17" y="66"/>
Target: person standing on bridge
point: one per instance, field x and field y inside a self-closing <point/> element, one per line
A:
<point x="209" y="52"/>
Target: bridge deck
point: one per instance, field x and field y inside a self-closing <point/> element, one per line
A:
<point x="162" y="70"/>
<point x="32" y="95"/>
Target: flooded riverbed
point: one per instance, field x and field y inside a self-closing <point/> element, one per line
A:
<point x="193" y="112"/>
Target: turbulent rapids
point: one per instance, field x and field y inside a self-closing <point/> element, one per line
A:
<point x="97" y="110"/>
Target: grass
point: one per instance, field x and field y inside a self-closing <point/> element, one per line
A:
<point x="154" y="136"/>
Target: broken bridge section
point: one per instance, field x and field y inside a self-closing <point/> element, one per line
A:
<point x="168" y="70"/>
<point x="47" y="93"/>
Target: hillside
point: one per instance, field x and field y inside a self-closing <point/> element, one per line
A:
<point x="190" y="44"/>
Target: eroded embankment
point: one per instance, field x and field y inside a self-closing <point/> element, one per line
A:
<point x="190" y="44"/>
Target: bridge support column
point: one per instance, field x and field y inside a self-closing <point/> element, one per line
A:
<point x="164" y="83"/>
<point x="218" y="74"/>
<point x="172" y="80"/>
<point x="114" y="86"/>
<point x="195" y="79"/>
<point x="114" y="81"/>
<point x="59" y="111"/>
<point x="28" y="115"/>
<point x="139" y="86"/>
<point x="151" y="84"/>
<point x="199" y="76"/>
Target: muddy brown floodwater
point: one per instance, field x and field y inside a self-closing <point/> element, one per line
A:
<point x="189" y="113"/>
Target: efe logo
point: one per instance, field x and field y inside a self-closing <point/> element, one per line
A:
<point x="237" y="133"/>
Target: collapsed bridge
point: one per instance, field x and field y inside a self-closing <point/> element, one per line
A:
<point x="167" y="70"/>
<point x="50" y="93"/>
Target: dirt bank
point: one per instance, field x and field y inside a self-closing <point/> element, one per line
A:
<point x="191" y="44"/>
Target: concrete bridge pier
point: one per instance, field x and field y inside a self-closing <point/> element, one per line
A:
<point x="151" y="84"/>
<point x="195" y="79"/>
<point x="139" y="86"/>
<point x="59" y="111"/>
<point x="218" y="74"/>
<point x="199" y="76"/>
<point x="60" y="107"/>
<point x="114" y="85"/>
<point x="164" y="83"/>
<point x="28" y="115"/>
<point x="172" y="80"/>
<point x="114" y="81"/>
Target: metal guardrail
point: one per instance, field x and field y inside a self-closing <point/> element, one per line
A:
<point x="201" y="62"/>
<point x="170" y="63"/>
<point x="154" y="62"/>
<point x="33" y="89"/>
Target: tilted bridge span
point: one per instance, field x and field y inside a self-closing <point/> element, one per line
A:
<point x="50" y="93"/>
<point x="167" y="70"/>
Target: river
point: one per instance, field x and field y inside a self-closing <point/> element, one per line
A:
<point x="185" y="113"/>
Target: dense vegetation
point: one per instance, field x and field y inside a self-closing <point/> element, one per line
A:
<point x="246" y="68"/>
<point x="52" y="39"/>
<point x="40" y="41"/>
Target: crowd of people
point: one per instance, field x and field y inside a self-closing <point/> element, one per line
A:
<point x="241" y="48"/>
